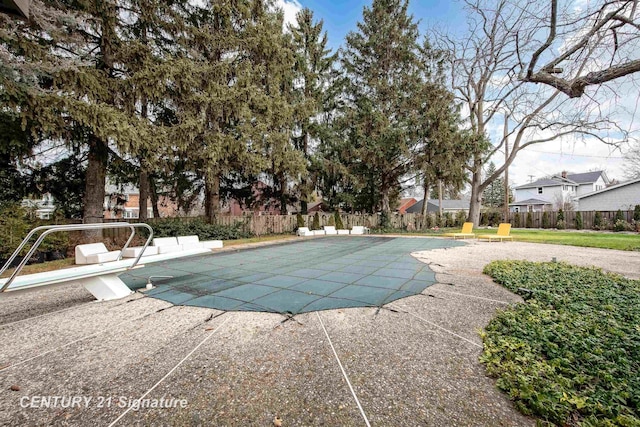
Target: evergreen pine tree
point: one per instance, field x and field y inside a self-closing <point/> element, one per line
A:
<point x="579" y="224"/>
<point x="493" y="195"/>
<point x="382" y="86"/>
<point x="312" y="73"/>
<point x="597" y="220"/>
<point x="545" y="219"/>
<point x="339" y="223"/>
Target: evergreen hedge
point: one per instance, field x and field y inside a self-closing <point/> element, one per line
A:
<point x="172" y="227"/>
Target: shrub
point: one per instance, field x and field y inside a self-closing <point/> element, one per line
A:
<point x="14" y="226"/>
<point x="529" y="220"/>
<point x="560" y="224"/>
<point x="621" y="225"/>
<point x="439" y="221"/>
<point x="429" y="221"/>
<point x="461" y="217"/>
<point x="619" y="216"/>
<point x="545" y="219"/>
<point x="338" y="221"/>
<point x="494" y="218"/>
<point x="385" y="220"/>
<point x="636" y="213"/>
<point x="579" y="224"/>
<point x="448" y="220"/>
<point x="316" y="222"/>
<point x="516" y="220"/>
<point x="332" y="221"/>
<point x="597" y="221"/>
<point x="171" y="227"/>
<point x="299" y="220"/>
<point x="560" y="215"/>
<point x="570" y="354"/>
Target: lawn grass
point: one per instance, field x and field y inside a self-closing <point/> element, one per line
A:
<point x="571" y="353"/>
<point x="590" y="239"/>
<point x="44" y="266"/>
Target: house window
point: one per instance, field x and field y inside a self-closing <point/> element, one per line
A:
<point x="598" y="187"/>
<point x="539" y="190"/>
<point x="130" y="214"/>
<point x="516" y="209"/>
<point x="530" y="208"/>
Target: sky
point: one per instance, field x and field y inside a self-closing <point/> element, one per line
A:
<point x="540" y="160"/>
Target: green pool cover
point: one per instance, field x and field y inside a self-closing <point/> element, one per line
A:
<point x="292" y="278"/>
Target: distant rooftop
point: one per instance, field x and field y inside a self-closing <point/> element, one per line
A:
<point x="574" y="178"/>
<point x="433" y="204"/>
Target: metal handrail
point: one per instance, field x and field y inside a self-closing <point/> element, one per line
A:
<point x="46" y="227"/>
<point x="72" y="227"/>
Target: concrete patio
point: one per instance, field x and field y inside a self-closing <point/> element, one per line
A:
<point x="413" y="362"/>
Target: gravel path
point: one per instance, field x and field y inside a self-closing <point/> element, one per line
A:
<point x="412" y="363"/>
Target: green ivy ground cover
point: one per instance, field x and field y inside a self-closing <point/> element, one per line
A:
<point x="571" y="354"/>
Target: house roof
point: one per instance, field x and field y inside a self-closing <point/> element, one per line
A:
<point x="574" y="178"/>
<point x="613" y="187"/>
<point x="406" y="203"/>
<point x="530" y="202"/>
<point x="432" y="205"/>
<point x="587" y="177"/>
<point x="546" y="182"/>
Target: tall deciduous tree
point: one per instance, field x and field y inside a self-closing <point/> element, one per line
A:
<point x="445" y="146"/>
<point x="577" y="47"/>
<point x="382" y="89"/>
<point x="485" y="77"/>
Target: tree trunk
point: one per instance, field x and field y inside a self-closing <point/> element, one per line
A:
<point x="425" y="199"/>
<point x="386" y="210"/>
<point x="212" y="197"/>
<point x="303" y="183"/>
<point x="282" y="196"/>
<point x="94" y="188"/>
<point x="440" y="197"/>
<point x="154" y="197"/>
<point x="476" y="195"/>
<point x="144" y="194"/>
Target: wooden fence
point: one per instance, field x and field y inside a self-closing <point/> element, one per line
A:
<point x="588" y="217"/>
<point x="283" y="224"/>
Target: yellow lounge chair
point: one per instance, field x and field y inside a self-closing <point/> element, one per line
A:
<point x="466" y="231"/>
<point x="503" y="233"/>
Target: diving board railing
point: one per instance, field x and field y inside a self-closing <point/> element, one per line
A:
<point x="48" y="229"/>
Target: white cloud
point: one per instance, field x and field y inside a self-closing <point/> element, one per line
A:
<point x="290" y="9"/>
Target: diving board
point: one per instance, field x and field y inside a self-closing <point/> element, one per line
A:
<point x="100" y="279"/>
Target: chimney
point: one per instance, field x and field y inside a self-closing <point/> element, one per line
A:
<point x="564" y="174"/>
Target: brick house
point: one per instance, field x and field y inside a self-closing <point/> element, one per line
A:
<point x="123" y="203"/>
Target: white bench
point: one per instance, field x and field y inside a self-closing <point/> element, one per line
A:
<point x="318" y="232"/>
<point x="95" y="253"/>
<point x="134" y="251"/>
<point x="193" y="242"/>
<point x="330" y="229"/>
<point x="359" y="229"/>
<point x="167" y="244"/>
<point x="342" y="232"/>
<point x="304" y="231"/>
